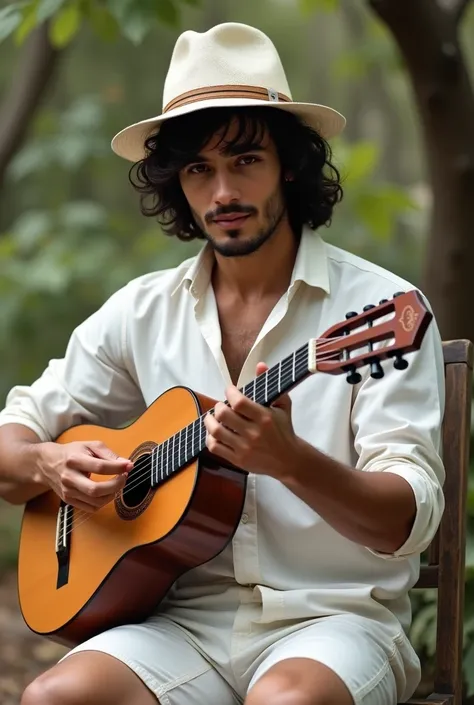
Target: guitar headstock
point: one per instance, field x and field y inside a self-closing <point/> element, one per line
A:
<point x="400" y="322"/>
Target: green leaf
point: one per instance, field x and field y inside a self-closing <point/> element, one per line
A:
<point x="137" y="18"/>
<point x="27" y="25"/>
<point x="65" y="25"/>
<point x="362" y="160"/>
<point x="168" y="12"/>
<point x="372" y="213"/>
<point x="11" y="17"/>
<point x="193" y="3"/>
<point x="103" y="22"/>
<point x="309" y="6"/>
<point x="48" y="8"/>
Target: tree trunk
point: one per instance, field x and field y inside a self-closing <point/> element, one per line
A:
<point x="20" y="102"/>
<point x="426" y="32"/>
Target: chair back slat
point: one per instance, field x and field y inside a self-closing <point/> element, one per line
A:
<point x="446" y="561"/>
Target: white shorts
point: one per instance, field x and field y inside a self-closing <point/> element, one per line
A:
<point x="212" y="651"/>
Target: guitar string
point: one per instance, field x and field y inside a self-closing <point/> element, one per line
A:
<point x="141" y="477"/>
<point x="259" y="384"/>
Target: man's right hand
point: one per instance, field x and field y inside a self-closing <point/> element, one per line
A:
<point x="66" y="468"/>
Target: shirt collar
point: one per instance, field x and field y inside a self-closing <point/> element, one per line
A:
<point x="311" y="266"/>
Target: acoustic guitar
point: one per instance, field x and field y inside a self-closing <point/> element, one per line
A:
<point x="80" y="574"/>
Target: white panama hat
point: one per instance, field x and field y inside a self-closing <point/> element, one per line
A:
<point x="230" y="65"/>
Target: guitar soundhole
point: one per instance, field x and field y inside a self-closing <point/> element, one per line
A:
<point x="138" y="483"/>
<point x="137" y="493"/>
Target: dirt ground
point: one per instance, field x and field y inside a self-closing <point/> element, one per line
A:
<point x="23" y="655"/>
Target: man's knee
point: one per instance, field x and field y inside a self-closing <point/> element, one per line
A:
<point x="299" y="682"/>
<point x="279" y="689"/>
<point x="88" y="679"/>
<point x="50" y="689"/>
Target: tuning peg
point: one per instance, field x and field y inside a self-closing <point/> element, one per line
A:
<point x="376" y="370"/>
<point x="400" y="363"/>
<point x="351" y="314"/>
<point x="368" y="307"/>
<point x="353" y="377"/>
<point x="398" y="293"/>
<point x="383" y="301"/>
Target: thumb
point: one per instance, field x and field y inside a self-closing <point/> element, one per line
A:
<point x="284" y="402"/>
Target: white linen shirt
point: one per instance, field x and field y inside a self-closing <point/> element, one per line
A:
<point x="162" y="330"/>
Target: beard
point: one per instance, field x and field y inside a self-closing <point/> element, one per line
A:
<point x="274" y="212"/>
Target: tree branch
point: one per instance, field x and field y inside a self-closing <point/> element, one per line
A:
<point x="29" y="82"/>
<point x="456" y="8"/>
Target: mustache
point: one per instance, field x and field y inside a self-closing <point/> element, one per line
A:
<point x="229" y="210"/>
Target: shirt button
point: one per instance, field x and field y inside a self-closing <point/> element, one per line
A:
<point x="244" y="519"/>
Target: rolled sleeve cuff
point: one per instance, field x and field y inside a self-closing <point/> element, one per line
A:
<point x="21" y="420"/>
<point x="429" y="500"/>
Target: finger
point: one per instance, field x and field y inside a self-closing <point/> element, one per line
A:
<point x="100" y="450"/>
<point x="220" y="433"/>
<point x="219" y="449"/>
<point x="226" y="415"/>
<point x="250" y="410"/>
<point x="283" y="402"/>
<point x="261" y="368"/>
<point x="78" y="483"/>
<point x="91" y="464"/>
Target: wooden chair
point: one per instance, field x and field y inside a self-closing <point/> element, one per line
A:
<point x="445" y="569"/>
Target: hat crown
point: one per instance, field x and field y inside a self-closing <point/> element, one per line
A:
<point x="228" y="54"/>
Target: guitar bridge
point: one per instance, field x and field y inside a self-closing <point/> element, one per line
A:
<point x="63" y="542"/>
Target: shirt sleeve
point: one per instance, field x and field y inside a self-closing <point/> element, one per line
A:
<point x="397" y="426"/>
<point x="90" y="384"/>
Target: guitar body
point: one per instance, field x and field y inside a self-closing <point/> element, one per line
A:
<point x="123" y="559"/>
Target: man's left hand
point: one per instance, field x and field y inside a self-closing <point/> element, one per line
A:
<point x="253" y="437"/>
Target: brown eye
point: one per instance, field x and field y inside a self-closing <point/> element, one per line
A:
<point x="247" y="160"/>
<point x="197" y="169"/>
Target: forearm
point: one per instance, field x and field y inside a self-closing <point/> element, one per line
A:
<point x="374" y="509"/>
<point x="20" y="478"/>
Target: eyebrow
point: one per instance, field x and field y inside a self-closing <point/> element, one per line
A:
<point x="231" y="151"/>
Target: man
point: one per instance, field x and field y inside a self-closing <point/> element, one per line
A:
<point x="309" y="603"/>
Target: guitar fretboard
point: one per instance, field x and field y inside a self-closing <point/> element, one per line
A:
<point x="184" y="447"/>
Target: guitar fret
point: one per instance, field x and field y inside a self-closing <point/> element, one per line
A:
<point x="154" y="459"/>
<point x="176" y="452"/>
<point x="160" y="463"/>
<point x="168" y="454"/>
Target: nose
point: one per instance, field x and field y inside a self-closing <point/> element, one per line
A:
<point x="225" y="189"/>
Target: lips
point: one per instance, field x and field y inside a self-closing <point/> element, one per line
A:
<point x="231" y="220"/>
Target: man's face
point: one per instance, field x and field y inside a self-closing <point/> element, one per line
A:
<point x="235" y="196"/>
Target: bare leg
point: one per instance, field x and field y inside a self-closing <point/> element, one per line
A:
<point x="88" y="678"/>
<point x="299" y="681"/>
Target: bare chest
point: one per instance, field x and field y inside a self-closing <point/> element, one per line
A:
<point x="239" y="331"/>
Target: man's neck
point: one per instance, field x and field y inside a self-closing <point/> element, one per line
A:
<point x="262" y="274"/>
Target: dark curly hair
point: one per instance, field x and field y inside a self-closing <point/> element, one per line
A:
<point x="310" y="197"/>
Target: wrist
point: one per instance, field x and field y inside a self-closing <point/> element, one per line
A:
<point x="33" y="461"/>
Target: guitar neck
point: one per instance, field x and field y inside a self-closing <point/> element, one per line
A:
<point x="184" y="447"/>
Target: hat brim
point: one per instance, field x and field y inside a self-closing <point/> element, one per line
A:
<point x="129" y="142"/>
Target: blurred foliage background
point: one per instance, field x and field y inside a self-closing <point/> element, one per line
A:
<point x="70" y="228"/>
